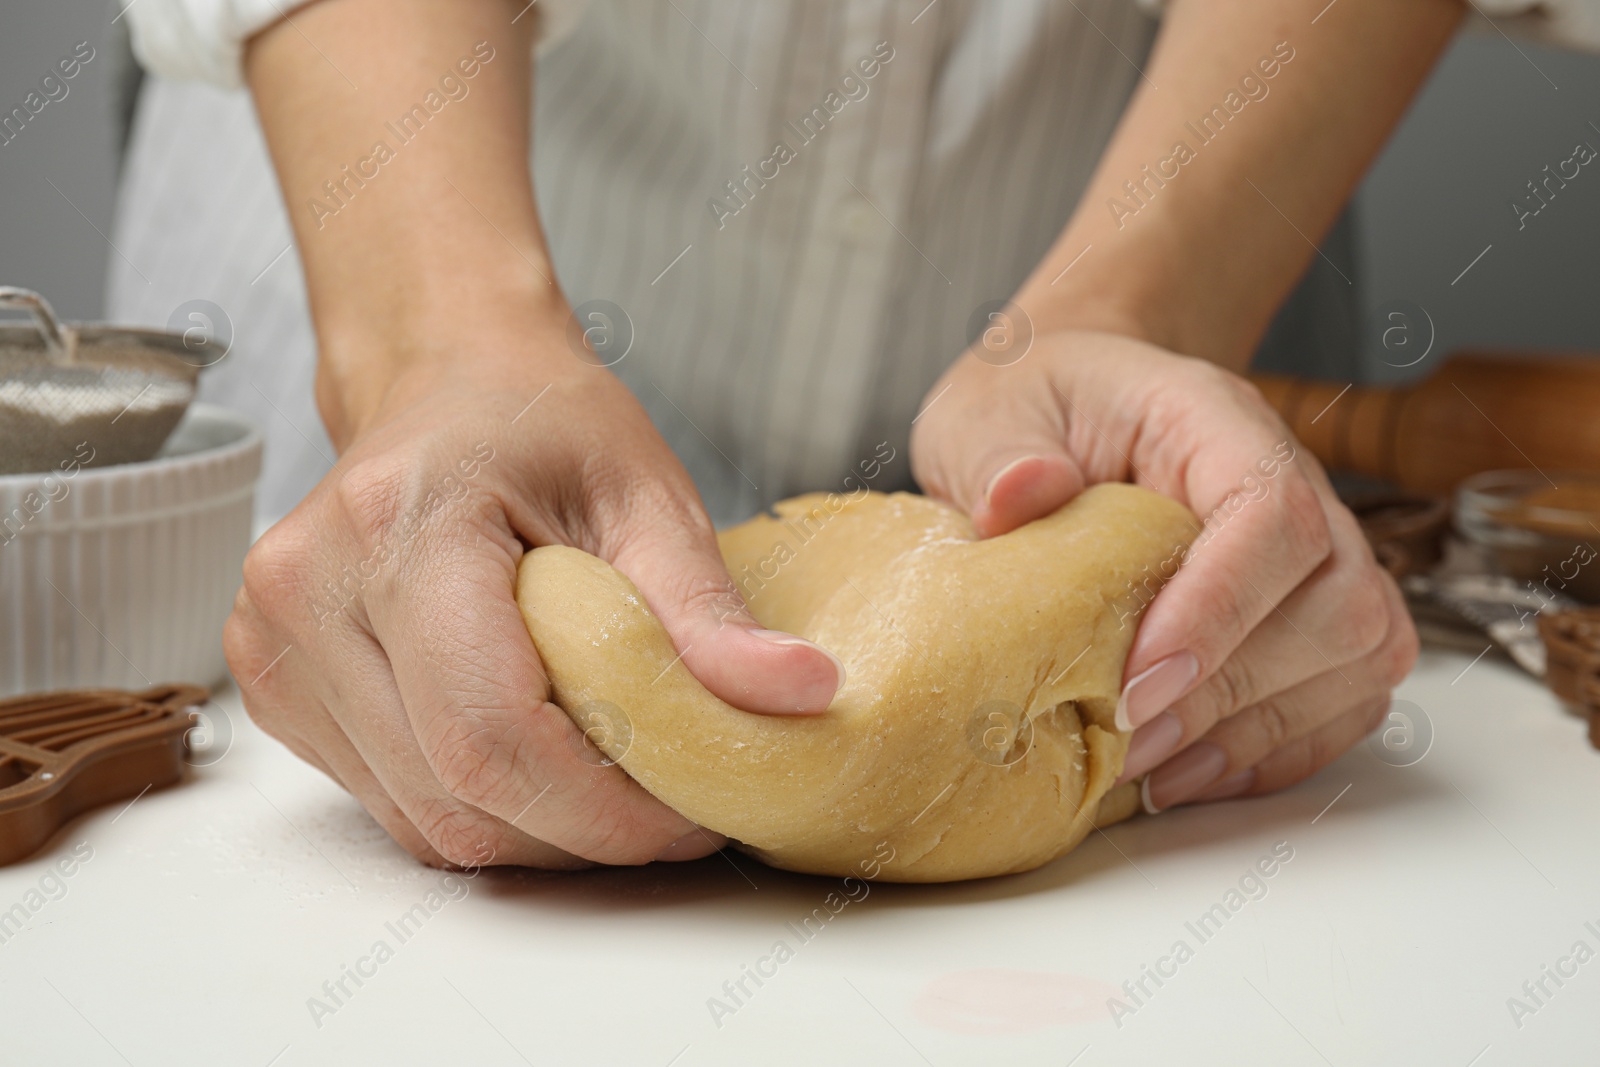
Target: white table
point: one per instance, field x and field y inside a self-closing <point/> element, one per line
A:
<point x="1418" y="900"/>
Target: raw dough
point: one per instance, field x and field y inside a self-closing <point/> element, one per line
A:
<point x="974" y="733"/>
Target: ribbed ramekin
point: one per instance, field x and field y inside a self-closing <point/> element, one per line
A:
<point x="122" y="576"/>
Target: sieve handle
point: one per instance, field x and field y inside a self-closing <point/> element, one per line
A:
<point x="43" y="315"/>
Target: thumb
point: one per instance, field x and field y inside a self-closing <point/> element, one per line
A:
<point x="1003" y="464"/>
<point x="680" y="573"/>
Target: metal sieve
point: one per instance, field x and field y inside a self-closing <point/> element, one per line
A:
<point x="89" y="395"/>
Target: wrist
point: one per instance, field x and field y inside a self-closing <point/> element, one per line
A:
<point x="1100" y="304"/>
<point x="1145" y="287"/>
<point x="368" y="368"/>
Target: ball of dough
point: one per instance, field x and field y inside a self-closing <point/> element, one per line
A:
<point x="974" y="733"/>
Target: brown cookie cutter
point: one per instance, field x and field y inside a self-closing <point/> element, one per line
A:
<point x="65" y="752"/>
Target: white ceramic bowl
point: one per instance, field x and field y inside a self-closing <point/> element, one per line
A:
<point x="122" y="576"/>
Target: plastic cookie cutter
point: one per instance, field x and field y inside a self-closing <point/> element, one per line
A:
<point x="65" y="752"/>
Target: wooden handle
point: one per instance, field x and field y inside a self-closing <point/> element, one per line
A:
<point x="1478" y="412"/>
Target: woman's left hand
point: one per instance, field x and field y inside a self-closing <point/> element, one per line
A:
<point x="1274" y="647"/>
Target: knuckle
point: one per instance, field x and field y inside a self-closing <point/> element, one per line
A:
<point x="1246" y="393"/>
<point x="710" y="594"/>
<point x="610" y="504"/>
<point x="1233" y="612"/>
<point x="388" y="814"/>
<point x="1366" y="619"/>
<point x="687" y="588"/>
<point x="1230" y="388"/>
<point x="1231" y="688"/>
<point x="646" y="520"/>
<point x="460" y="837"/>
<point x="472" y="764"/>
<point x="419" y="849"/>
<point x="370" y="497"/>
<point x="477" y="768"/>
<point x="635" y="501"/>
<point x="253" y="657"/>
<point x="1304" y="522"/>
<point x="276" y="571"/>
<point x="612" y="832"/>
<point x="1204" y="374"/>
<point x="1276" y="726"/>
<point x="239" y="646"/>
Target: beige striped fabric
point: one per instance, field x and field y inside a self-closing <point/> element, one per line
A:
<point x="799" y="205"/>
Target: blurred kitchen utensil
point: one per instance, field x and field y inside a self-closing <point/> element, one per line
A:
<point x="1477" y="412"/>
<point x="1406" y="530"/>
<point x="1572" y="639"/>
<point x="1539" y="527"/>
<point x="92" y="395"/>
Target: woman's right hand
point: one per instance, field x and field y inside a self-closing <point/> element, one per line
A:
<point x="377" y="633"/>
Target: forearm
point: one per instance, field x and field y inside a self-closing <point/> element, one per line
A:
<point x="400" y="132"/>
<point x="1221" y="216"/>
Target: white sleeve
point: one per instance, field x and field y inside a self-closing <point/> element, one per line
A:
<point x="203" y="40"/>
<point x="1575" y="23"/>
<point x="1564" y="22"/>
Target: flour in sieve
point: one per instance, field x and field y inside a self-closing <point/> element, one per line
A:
<point x="47" y="411"/>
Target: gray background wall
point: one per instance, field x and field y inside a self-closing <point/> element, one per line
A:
<point x="45" y="244"/>
<point x="1494" y="114"/>
<point x="1487" y="124"/>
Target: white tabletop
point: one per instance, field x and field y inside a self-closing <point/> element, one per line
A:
<point x="1418" y="900"/>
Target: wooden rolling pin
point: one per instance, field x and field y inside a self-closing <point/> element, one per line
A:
<point x="1479" y="411"/>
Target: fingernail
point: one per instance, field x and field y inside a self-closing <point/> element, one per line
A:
<point x="1152" y="691"/>
<point x="1190" y="772"/>
<point x="994" y="480"/>
<point x="693" y="845"/>
<point x="1150" y="744"/>
<point x="1231" y="786"/>
<point x="778" y="637"/>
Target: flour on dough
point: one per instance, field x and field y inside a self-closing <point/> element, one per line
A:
<point x="974" y="734"/>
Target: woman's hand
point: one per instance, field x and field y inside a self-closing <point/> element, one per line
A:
<point x="377" y="634"/>
<point x="1274" y="647"/>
